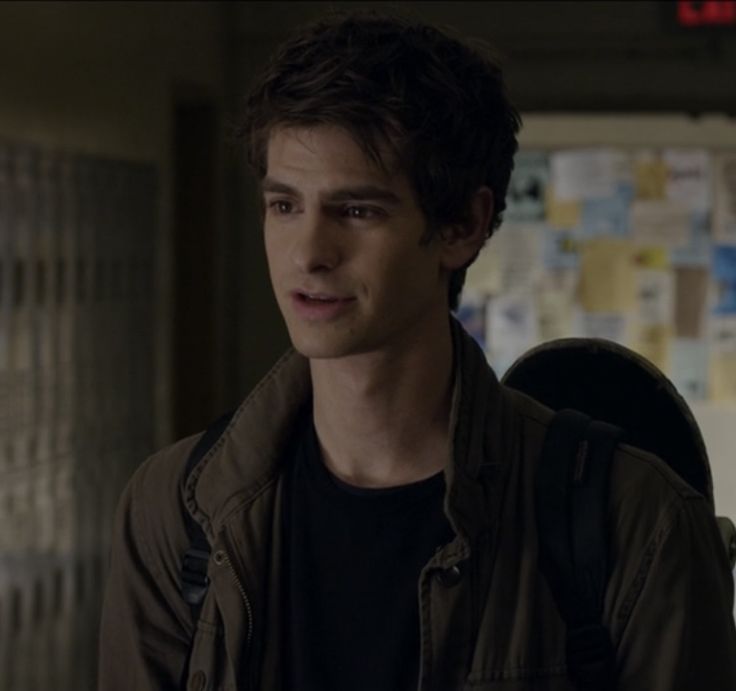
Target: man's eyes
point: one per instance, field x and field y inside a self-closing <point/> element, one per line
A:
<point x="279" y="206"/>
<point x="360" y="212"/>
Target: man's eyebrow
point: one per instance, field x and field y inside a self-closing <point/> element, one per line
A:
<point x="343" y="194"/>
<point x="364" y="193"/>
<point x="270" y="185"/>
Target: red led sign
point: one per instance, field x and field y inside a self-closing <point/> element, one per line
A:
<point x="691" y="13"/>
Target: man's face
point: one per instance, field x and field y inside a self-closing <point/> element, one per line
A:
<point x="343" y="245"/>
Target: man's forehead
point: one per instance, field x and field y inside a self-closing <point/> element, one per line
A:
<point x="328" y="147"/>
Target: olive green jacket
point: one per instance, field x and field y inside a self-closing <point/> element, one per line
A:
<point x="487" y="619"/>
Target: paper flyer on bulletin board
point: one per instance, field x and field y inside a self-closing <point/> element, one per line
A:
<point x="607" y="278"/>
<point x="525" y="199"/>
<point x="518" y="249"/>
<point x="690" y="303"/>
<point x="724" y="214"/>
<point x="654" y="315"/>
<point x="689" y="359"/>
<point x="722" y="345"/>
<point x="650" y="175"/>
<point x="512" y="328"/>
<point x="688" y="178"/>
<point x="584" y="174"/>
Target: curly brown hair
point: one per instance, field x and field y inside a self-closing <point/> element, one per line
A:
<point x="437" y="102"/>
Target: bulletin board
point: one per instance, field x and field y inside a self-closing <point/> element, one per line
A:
<point x="636" y="244"/>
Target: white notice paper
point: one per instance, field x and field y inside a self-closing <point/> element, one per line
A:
<point x="612" y="326"/>
<point x="512" y="328"/>
<point x="555" y="303"/>
<point x="689" y="357"/>
<point x="724" y="216"/>
<point x="525" y="200"/>
<point x="484" y="274"/>
<point x="655" y="297"/>
<point x="655" y="222"/>
<point x="585" y="173"/>
<point x="722" y="334"/>
<point x="688" y="177"/>
<point x="515" y="253"/>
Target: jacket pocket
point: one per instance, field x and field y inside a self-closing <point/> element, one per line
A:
<point x="209" y="667"/>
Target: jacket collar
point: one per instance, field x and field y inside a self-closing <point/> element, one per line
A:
<point x="247" y="457"/>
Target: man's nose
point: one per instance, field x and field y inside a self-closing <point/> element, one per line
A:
<point x="316" y="246"/>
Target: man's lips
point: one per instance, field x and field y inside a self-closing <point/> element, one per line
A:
<point x="308" y="296"/>
<point x="320" y="306"/>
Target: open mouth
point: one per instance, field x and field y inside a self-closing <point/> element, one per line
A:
<point x="319" y="298"/>
<point x="306" y="297"/>
<point x="319" y="306"/>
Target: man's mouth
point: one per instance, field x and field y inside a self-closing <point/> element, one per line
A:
<point x="318" y="306"/>
<point x="318" y="297"/>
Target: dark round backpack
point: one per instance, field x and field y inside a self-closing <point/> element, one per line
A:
<point x="603" y="394"/>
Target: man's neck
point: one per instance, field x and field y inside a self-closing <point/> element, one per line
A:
<point x="382" y="419"/>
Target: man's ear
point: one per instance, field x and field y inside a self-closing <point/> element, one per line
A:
<point x="462" y="242"/>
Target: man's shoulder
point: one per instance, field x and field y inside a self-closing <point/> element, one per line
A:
<point x="152" y="503"/>
<point x="646" y="496"/>
<point x="647" y="500"/>
<point x="162" y="473"/>
<point x="635" y="472"/>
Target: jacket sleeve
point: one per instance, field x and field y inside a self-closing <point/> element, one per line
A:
<point x="679" y="631"/>
<point x="146" y="626"/>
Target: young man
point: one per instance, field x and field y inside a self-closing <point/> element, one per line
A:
<point x="370" y="506"/>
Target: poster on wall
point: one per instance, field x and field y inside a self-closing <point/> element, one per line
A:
<point x="660" y="222"/>
<point x="585" y="174"/>
<point x="723" y="273"/>
<point x="722" y="366"/>
<point x="525" y="200"/>
<point x="607" y="215"/>
<point x="689" y="367"/>
<point x="697" y="249"/>
<point x="654" y="316"/>
<point x="691" y="294"/>
<point x="688" y="178"/>
<point x="607" y="279"/>
<point x="512" y="328"/>
<point x="650" y="175"/>
<point x="561" y="249"/>
<point x="724" y="215"/>
<point x="612" y="326"/>
<point x="557" y="312"/>
<point x="519" y="250"/>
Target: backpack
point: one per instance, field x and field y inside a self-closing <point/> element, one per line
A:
<point x="603" y="394"/>
<point x="193" y="577"/>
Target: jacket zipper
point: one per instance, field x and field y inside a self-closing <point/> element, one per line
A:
<point x="222" y="557"/>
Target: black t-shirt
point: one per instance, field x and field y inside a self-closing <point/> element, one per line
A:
<point x="353" y="558"/>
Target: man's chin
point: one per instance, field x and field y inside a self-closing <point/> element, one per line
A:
<point x="319" y="352"/>
<point x="322" y="347"/>
<point x="313" y="346"/>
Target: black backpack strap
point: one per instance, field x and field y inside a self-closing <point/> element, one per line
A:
<point x="571" y="497"/>
<point x="194" y="580"/>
